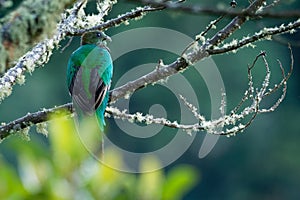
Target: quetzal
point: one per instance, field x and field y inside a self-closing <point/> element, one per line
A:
<point x="89" y="76"/>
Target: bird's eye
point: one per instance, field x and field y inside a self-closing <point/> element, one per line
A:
<point x="99" y="35"/>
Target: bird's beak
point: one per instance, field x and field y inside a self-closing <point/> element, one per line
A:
<point x="107" y="38"/>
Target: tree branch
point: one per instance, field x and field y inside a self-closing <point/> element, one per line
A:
<point x="32" y="118"/>
<point x="25" y="26"/>
<point x="254" y="96"/>
<point x="162" y="72"/>
<point x="190" y="56"/>
<point x="137" y="13"/>
<point x="41" y="53"/>
<point x="265" y="33"/>
<point x="200" y="10"/>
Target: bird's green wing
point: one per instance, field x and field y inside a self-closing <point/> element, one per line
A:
<point x="88" y="76"/>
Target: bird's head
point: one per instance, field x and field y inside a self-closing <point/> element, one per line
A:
<point x="94" y="37"/>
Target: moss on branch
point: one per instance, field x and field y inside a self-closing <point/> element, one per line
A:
<point x="31" y="22"/>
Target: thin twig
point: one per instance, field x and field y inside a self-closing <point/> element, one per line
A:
<point x="139" y="12"/>
<point x="41" y="53"/>
<point x="201" y="10"/>
<point x="266" y="33"/>
<point x="168" y="70"/>
<point x="208" y="125"/>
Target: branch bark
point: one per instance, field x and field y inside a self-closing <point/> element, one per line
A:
<point x="201" y="10"/>
<point x="182" y="63"/>
<point x="231" y="119"/>
<point x="161" y="71"/>
<point x="32" y="118"/>
<point x="31" y="22"/>
<point x="139" y="12"/>
<point x="41" y="53"/>
<point x="265" y="33"/>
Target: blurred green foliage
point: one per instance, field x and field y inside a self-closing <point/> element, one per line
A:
<point x="66" y="170"/>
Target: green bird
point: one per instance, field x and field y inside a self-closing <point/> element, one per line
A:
<point x="89" y="74"/>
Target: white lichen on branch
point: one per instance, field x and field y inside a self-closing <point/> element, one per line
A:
<point x="42" y="128"/>
<point x="75" y="22"/>
<point x="231" y="123"/>
<point x="72" y="23"/>
<point x="146" y="118"/>
<point x="38" y="56"/>
<point x="263" y="11"/>
<point x="264" y="34"/>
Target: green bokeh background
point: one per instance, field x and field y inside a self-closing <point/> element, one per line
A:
<point x="261" y="163"/>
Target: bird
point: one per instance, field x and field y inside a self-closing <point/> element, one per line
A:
<point x="89" y="74"/>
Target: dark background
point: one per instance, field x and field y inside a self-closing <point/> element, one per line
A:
<point x="261" y="163"/>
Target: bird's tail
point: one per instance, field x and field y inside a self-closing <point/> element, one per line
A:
<point x="87" y="127"/>
<point x="100" y="116"/>
<point x="100" y="113"/>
